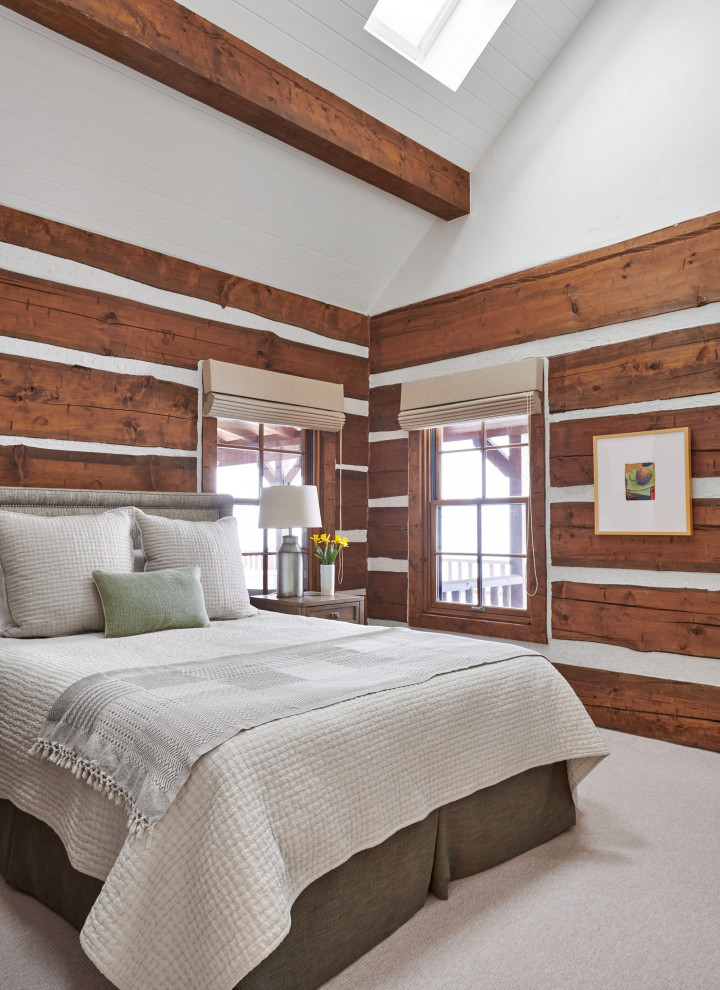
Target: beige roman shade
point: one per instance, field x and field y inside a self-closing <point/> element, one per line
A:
<point x="507" y="390"/>
<point x="235" y="392"/>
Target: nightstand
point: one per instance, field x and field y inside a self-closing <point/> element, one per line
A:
<point x="341" y="608"/>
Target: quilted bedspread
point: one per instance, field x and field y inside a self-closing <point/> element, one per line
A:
<point x="204" y="900"/>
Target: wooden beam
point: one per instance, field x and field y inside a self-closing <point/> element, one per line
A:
<point x="34" y="467"/>
<point x="188" y="53"/>
<point x="36" y="309"/>
<point x="676" y="711"/>
<point x="388" y="532"/>
<point x="355" y="440"/>
<point x="574" y="543"/>
<point x="63" y="402"/>
<point x="669" y="620"/>
<point x="184" y="277"/>
<point x="667" y="365"/>
<point x="209" y="454"/>
<point x="384" y="407"/>
<point x="388" y="468"/>
<point x="571" y="441"/>
<point x="671" y="269"/>
<point x="387" y="595"/>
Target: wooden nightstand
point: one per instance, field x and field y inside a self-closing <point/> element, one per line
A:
<point x="342" y="608"/>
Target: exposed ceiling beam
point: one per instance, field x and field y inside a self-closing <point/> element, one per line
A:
<point x="178" y="48"/>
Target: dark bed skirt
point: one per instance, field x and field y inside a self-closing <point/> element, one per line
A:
<point x="345" y="913"/>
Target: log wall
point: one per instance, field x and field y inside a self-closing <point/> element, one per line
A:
<point x="629" y="336"/>
<point x="102" y="390"/>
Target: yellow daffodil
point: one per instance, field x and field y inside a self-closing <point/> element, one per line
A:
<point x="328" y="553"/>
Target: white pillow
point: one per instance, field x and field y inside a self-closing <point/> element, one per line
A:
<point x="48" y="563"/>
<point x="213" y="546"/>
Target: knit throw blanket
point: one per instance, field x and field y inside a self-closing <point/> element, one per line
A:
<point x="136" y="733"/>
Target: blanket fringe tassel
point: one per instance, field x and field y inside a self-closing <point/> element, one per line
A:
<point x="98" y="779"/>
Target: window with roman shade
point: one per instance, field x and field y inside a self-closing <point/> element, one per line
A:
<point x="477" y="501"/>
<point x="271" y="429"/>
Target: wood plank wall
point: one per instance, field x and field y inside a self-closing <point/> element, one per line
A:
<point x="594" y="388"/>
<point x="388" y="511"/>
<point x="74" y="387"/>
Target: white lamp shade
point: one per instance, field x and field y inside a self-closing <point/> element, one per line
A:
<point x="289" y="507"/>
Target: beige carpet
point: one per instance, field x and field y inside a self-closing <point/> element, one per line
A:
<point x="628" y="900"/>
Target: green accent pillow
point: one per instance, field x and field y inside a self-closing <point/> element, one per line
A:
<point x="151" y="601"/>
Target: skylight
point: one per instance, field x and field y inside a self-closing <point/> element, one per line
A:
<point x="442" y="37"/>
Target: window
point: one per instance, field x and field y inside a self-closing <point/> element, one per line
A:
<point x="479" y="509"/>
<point x="477" y="554"/>
<point x="443" y="37"/>
<point x="249" y="456"/>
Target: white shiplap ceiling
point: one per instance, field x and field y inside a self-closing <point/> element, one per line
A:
<point x="91" y="143"/>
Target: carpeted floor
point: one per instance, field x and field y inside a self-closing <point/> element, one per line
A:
<point x="628" y="900"/>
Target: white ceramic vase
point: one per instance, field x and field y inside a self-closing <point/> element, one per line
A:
<point x="327" y="579"/>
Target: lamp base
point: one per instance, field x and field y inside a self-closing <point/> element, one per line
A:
<point x="290" y="568"/>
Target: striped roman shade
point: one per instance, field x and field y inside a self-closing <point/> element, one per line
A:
<point x="488" y="393"/>
<point x="235" y="392"/>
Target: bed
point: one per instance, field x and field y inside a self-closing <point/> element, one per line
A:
<point x="298" y="845"/>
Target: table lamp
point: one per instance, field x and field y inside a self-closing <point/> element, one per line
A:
<point x="289" y="507"/>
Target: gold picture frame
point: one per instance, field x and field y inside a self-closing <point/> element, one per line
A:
<point x="643" y="483"/>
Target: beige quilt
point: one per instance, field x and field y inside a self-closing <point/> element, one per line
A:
<point x="273" y="808"/>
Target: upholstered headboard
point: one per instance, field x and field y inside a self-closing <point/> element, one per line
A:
<point x="69" y="501"/>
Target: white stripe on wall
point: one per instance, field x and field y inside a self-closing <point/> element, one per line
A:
<point x="356" y="407"/>
<point x="351" y="467"/>
<point x="37" y="350"/>
<point x="698" y="580"/>
<point x="25" y="261"/>
<point x="632" y="408"/>
<point x="389" y="502"/>
<point x="387" y="564"/>
<point x="551" y="346"/>
<point x="701" y="488"/>
<point x="355" y="535"/>
<point x="86" y="447"/>
<point x="381" y="435"/>
<point x="604" y="656"/>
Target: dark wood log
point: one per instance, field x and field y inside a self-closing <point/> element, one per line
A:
<point x="63" y="402"/>
<point x="671" y="269"/>
<point x="35" y="467"/>
<point x="354" y="567"/>
<point x="574" y="543"/>
<point x="184" y="277"/>
<point x="209" y="454"/>
<point x="387" y="594"/>
<point x="182" y="50"/>
<point x="677" y="711"/>
<point x="699" y="733"/>
<point x="669" y="620"/>
<point x="384" y="408"/>
<point x="354" y="500"/>
<point x="388" y="468"/>
<point x="355" y="440"/>
<point x="571" y="441"/>
<point x="388" y="533"/>
<point x="666" y="366"/>
<point x="36" y="309"/>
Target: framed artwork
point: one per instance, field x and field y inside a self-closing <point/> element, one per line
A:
<point x="642" y="483"/>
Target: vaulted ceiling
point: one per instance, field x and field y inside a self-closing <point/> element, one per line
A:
<point x="91" y="142"/>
